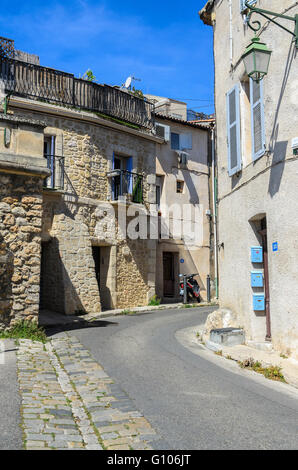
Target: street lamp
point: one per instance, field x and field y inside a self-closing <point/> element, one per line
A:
<point x="256" y="59"/>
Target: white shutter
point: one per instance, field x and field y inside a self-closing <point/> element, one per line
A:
<point x="186" y="141"/>
<point x="233" y="129"/>
<point x="257" y="119"/>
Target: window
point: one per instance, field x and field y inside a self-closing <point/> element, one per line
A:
<point x="181" y="141"/>
<point x="175" y="141"/>
<point x="49" y="154"/>
<point x="251" y="143"/>
<point x="159" y="183"/>
<point x="49" y="146"/>
<point x="233" y="130"/>
<point x="179" y="186"/>
<point x="123" y="182"/>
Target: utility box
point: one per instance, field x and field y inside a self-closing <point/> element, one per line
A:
<point x="257" y="279"/>
<point x="259" y="302"/>
<point x="256" y="254"/>
<point x="227" y="336"/>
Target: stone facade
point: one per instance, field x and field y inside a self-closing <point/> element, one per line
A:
<point x="20" y="227"/>
<point x="53" y="234"/>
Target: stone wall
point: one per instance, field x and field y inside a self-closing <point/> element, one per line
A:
<point x="68" y="280"/>
<point x="6" y="272"/>
<point x="20" y="228"/>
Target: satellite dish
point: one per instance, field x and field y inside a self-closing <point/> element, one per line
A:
<point x="128" y="82"/>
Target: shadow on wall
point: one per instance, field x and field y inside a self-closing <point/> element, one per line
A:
<point x="279" y="148"/>
<point x="190" y="261"/>
<point x="274" y="134"/>
<point x="277" y="167"/>
<point x="57" y="292"/>
<point x="6" y="273"/>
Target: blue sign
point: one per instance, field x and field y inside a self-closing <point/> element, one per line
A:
<point x="275" y="246"/>
<point x="182" y="260"/>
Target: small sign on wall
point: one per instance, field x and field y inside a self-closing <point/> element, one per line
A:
<point x="182" y="260"/>
<point x="275" y="246"/>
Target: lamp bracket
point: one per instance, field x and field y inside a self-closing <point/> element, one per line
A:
<point x="265" y="14"/>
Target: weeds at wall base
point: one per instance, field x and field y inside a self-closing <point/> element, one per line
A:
<point x="25" y="330"/>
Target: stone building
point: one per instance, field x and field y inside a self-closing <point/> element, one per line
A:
<point x="256" y="141"/>
<point x="77" y="167"/>
<point x="182" y="183"/>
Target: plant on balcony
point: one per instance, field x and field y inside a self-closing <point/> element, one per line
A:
<point x="88" y="75"/>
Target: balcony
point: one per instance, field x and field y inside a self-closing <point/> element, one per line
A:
<point x="126" y="184"/>
<point x="56" y="180"/>
<point x="56" y="87"/>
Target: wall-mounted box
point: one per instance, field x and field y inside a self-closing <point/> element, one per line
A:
<point x="257" y="279"/>
<point x="256" y="254"/>
<point x="259" y="302"/>
<point x="295" y="146"/>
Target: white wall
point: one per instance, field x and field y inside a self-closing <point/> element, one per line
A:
<point x="268" y="185"/>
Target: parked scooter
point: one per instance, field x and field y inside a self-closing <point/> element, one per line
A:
<point x="192" y="287"/>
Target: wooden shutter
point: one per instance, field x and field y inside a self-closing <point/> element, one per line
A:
<point x="233" y="129"/>
<point x="257" y="119"/>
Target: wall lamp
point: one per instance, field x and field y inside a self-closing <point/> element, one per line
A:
<point x="256" y="57"/>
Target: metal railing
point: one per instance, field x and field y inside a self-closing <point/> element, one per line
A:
<point x="126" y="183"/>
<point x="56" y="179"/>
<point x="53" y="86"/>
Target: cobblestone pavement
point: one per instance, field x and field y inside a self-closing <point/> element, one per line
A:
<point x="69" y="402"/>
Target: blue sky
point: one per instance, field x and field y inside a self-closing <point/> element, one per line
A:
<point x="164" y="43"/>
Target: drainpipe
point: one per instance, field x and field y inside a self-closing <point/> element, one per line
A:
<point x="214" y="192"/>
<point x="231" y="32"/>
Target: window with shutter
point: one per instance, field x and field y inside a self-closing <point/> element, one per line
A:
<point x="186" y="141"/>
<point x="233" y="128"/>
<point x="257" y="119"/>
<point x="175" y="141"/>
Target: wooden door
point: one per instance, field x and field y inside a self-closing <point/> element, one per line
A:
<point x="168" y="274"/>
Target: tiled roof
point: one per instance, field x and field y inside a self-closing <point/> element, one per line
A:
<point x="182" y="121"/>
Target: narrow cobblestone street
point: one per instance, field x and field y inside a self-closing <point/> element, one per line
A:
<point x="69" y="402"/>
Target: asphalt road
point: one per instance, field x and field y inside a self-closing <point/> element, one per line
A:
<point x="191" y="400"/>
<point x="10" y="400"/>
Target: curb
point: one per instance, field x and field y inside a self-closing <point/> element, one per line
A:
<point x="119" y="312"/>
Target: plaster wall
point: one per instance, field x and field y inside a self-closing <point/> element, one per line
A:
<point x="195" y="176"/>
<point x="266" y="186"/>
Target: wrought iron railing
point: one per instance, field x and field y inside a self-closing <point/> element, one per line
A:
<point x="53" y="86"/>
<point x="128" y="184"/>
<point x="56" y="179"/>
